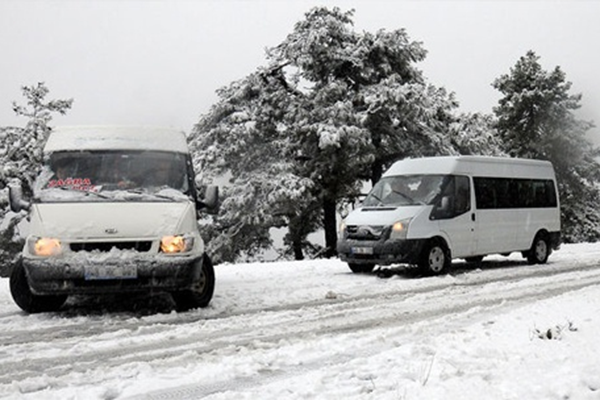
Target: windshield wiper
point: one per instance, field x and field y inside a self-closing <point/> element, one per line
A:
<point x="411" y="201"/>
<point x="374" y="196"/>
<point x="84" y="192"/>
<point x="142" y="191"/>
<point x="98" y="194"/>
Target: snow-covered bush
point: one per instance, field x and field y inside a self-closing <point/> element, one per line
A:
<point x="21" y="158"/>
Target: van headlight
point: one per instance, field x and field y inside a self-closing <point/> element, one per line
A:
<point x="400" y="229"/>
<point x="176" y="244"/>
<point x="44" y="247"/>
<point x="343" y="229"/>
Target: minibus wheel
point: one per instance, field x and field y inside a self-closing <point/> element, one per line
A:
<point x="201" y="292"/>
<point x="361" y="268"/>
<point x="24" y="297"/>
<point x="435" y="258"/>
<point x="540" y="250"/>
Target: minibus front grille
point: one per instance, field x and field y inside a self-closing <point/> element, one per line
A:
<point x="365" y="232"/>
<point x="139" y="245"/>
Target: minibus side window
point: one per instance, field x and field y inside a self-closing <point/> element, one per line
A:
<point x="463" y="195"/>
<point x="509" y="193"/>
<point x="455" y="198"/>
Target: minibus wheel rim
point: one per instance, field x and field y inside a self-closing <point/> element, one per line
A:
<point x="541" y="249"/>
<point x="436" y="259"/>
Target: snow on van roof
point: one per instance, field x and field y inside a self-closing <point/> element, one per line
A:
<point x="75" y="138"/>
<point x="479" y="165"/>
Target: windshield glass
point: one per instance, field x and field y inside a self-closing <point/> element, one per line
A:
<point x="404" y="190"/>
<point x="114" y="175"/>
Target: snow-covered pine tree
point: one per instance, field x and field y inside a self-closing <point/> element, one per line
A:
<point x="244" y="138"/>
<point x="333" y="108"/>
<point x="21" y="158"/>
<point x="536" y="119"/>
<point x="475" y="134"/>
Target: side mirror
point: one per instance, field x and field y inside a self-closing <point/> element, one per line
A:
<point x="445" y="204"/>
<point x="15" y="197"/>
<point x="211" y="197"/>
<point x="442" y="209"/>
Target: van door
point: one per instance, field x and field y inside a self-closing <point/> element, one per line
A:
<point x="457" y="223"/>
<point x="496" y="219"/>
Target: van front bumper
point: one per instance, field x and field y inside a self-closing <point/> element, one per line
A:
<point x="380" y="252"/>
<point x="50" y="276"/>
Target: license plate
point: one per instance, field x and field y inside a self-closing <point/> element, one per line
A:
<point x="99" y="272"/>
<point x="362" y="250"/>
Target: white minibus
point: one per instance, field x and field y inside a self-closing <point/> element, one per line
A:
<point x="428" y="211"/>
<point x="114" y="210"/>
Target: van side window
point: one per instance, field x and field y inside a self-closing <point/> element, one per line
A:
<point x="463" y="195"/>
<point x="455" y="198"/>
<point x="503" y="193"/>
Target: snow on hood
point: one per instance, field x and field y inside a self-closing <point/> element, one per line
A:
<point x="382" y="215"/>
<point x="110" y="220"/>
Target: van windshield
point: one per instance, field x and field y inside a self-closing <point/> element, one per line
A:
<point x="405" y="190"/>
<point x="113" y="175"/>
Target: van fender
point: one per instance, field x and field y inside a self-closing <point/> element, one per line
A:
<point x="435" y="257"/>
<point x="444" y="238"/>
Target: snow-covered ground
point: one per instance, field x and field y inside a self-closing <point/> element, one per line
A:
<point x="314" y="330"/>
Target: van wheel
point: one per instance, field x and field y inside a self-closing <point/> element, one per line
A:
<point x="361" y="268"/>
<point x="435" y="258"/>
<point x="540" y="250"/>
<point x="25" y="299"/>
<point x="201" y="292"/>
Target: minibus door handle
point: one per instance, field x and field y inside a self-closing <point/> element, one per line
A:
<point x="473" y="217"/>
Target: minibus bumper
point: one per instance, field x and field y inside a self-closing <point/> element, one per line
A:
<point x="166" y="273"/>
<point x="381" y="252"/>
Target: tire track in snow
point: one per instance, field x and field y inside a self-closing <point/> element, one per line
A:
<point x="431" y="317"/>
<point x="131" y="322"/>
<point x="270" y="327"/>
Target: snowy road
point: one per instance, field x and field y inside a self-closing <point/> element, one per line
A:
<point x="307" y="329"/>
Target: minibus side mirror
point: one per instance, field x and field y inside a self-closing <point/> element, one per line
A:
<point x="211" y="197"/>
<point x="442" y="209"/>
<point x="210" y="202"/>
<point x="445" y="205"/>
<point x="15" y="197"/>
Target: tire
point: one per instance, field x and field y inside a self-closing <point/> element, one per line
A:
<point x="25" y="299"/>
<point x="361" y="268"/>
<point x="540" y="250"/>
<point x="435" y="258"/>
<point x="201" y="292"/>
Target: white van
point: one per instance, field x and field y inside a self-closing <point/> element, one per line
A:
<point x="113" y="210"/>
<point x="427" y="211"/>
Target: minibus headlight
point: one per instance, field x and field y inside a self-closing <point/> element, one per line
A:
<point x="45" y="247"/>
<point x="176" y="244"/>
<point x="400" y="229"/>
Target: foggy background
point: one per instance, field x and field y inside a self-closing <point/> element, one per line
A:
<point x="160" y="62"/>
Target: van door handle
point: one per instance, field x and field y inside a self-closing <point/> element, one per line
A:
<point x="473" y="217"/>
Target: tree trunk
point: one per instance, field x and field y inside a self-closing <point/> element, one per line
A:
<point x="295" y="237"/>
<point x="376" y="171"/>
<point x="297" y="247"/>
<point x="330" y="225"/>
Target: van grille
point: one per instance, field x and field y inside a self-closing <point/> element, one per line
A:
<point x="366" y="232"/>
<point x="141" y="246"/>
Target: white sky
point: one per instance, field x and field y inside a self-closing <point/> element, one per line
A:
<point x="160" y="62"/>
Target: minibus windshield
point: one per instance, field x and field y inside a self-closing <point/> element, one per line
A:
<point x="108" y="174"/>
<point x="405" y="190"/>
